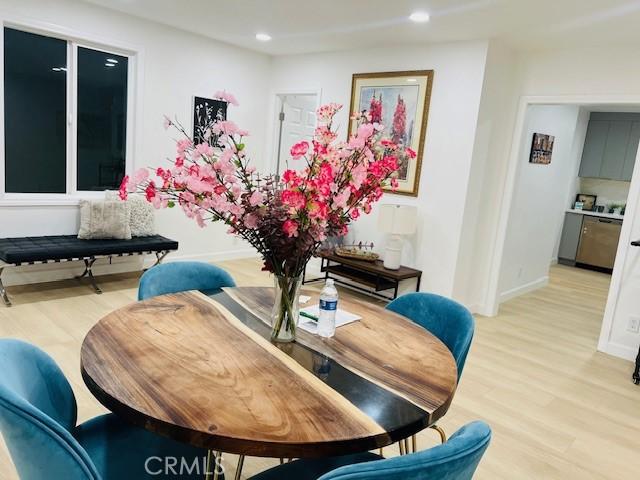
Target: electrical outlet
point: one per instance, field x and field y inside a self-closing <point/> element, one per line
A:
<point x="634" y="325"/>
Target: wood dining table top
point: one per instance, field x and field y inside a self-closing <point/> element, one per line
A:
<point x="202" y="370"/>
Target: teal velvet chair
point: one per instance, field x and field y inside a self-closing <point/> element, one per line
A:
<point x="451" y="322"/>
<point x="182" y="276"/>
<point x="455" y="460"/>
<point x="38" y="416"/>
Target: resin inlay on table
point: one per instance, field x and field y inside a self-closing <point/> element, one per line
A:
<point x="202" y="370"/>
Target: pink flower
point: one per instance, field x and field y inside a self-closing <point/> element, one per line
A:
<point x="365" y="130"/>
<point x="290" y="228"/>
<point x="150" y="191"/>
<point x="227" y="97"/>
<point x="394" y="184"/>
<point x="299" y="149"/>
<point x="225" y="127"/>
<point x="256" y="198"/>
<point x="410" y="152"/>
<point x="203" y="150"/>
<point x="326" y="112"/>
<point x="318" y="210"/>
<point x="123" y="193"/>
<point x="324" y="135"/>
<point x="341" y="198"/>
<point x="251" y="220"/>
<point x="293" y="198"/>
<point x="199" y="219"/>
<point x="140" y="176"/>
<point x="355" y="213"/>
<point x="183" y="145"/>
<point x="291" y="177"/>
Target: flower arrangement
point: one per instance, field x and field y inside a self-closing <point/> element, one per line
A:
<point x="285" y="218"/>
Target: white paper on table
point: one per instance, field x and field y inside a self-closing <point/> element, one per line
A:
<point x="342" y="318"/>
<point x="304" y="298"/>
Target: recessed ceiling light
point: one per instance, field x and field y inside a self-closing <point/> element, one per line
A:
<point x="412" y="80"/>
<point x="263" y="37"/>
<point x="419" y="17"/>
<point x="112" y="60"/>
<point x="109" y="64"/>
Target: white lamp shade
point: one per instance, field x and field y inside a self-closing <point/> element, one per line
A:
<point x="397" y="219"/>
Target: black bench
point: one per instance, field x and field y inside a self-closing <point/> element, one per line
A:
<point x="66" y="248"/>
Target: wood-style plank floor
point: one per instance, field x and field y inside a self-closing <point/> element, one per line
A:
<point x="558" y="409"/>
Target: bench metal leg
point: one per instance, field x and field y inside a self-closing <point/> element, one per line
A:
<point x="3" y="291"/>
<point x="160" y="256"/>
<point x="88" y="264"/>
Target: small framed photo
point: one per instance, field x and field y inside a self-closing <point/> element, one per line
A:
<point x="541" y="148"/>
<point x="588" y="202"/>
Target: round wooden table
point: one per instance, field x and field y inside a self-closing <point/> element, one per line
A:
<point x="202" y="370"/>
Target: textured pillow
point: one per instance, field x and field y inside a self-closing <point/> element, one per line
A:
<point x="101" y="220"/>
<point x="142" y="220"/>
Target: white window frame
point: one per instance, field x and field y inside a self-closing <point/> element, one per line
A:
<point x="134" y="81"/>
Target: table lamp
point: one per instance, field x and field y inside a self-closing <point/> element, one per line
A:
<point x="396" y="220"/>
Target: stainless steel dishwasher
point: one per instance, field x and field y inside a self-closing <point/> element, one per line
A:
<point x="599" y="241"/>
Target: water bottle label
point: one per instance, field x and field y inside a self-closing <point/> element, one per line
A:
<point x="328" y="304"/>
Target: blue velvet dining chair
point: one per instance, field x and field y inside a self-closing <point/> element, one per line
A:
<point x="451" y="322"/>
<point x="182" y="276"/>
<point x="38" y="416"/>
<point x="455" y="460"/>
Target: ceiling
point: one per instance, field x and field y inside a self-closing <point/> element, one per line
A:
<point x="301" y="26"/>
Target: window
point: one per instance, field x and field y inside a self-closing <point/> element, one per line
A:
<point x="65" y="115"/>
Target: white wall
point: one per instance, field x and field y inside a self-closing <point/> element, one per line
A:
<point x="175" y="66"/>
<point x="540" y="200"/>
<point x="446" y="167"/>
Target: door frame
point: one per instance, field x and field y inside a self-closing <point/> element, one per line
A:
<point x="493" y="293"/>
<point x="273" y="142"/>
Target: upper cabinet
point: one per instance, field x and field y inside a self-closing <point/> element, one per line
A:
<point x="610" y="146"/>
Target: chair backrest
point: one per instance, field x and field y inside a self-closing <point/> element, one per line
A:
<point x="451" y="322"/>
<point x="37" y="414"/>
<point x="182" y="276"/>
<point x="457" y="459"/>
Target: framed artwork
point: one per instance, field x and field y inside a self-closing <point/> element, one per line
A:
<point x="206" y="112"/>
<point x="400" y="102"/>
<point x="588" y="201"/>
<point x="541" y="148"/>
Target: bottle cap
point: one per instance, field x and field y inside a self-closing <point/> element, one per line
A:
<point x="329" y="282"/>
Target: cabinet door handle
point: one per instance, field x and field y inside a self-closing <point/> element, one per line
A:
<point x="635" y="243"/>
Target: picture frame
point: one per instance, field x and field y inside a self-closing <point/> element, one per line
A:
<point x="588" y="201"/>
<point x="541" y="149"/>
<point x="399" y="101"/>
<point x="206" y="112"/>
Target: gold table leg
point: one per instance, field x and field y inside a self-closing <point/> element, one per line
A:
<point x="443" y="435"/>
<point x="239" y="467"/>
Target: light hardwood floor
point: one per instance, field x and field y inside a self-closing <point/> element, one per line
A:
<point x="558" y="409"/>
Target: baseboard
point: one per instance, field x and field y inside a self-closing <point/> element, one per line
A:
<point x="617" y="350"/>
<point x="51" y="272"/>
<point x="526" y="288"/>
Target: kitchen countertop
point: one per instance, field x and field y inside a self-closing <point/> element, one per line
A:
<point x="596" y="214"/>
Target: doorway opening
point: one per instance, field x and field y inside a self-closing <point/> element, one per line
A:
<point x="568" y="221"/>
<point x="295" y="121"/>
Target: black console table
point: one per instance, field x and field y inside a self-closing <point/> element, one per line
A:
<point x="368" y="274"/>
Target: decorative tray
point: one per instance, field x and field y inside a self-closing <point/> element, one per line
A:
<point x="356" y="253"/>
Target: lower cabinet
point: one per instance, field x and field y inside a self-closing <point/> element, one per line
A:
<point x="589" y="241"/>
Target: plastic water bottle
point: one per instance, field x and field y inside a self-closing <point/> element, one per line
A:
<point x="328" y="310"/>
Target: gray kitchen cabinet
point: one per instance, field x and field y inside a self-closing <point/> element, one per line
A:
<point x="610" y="146"/>
<point x="594" y="145"/>
<point x="632" y="150"/>
<point x="570" y="238"/>
<point x="615" y="151"/>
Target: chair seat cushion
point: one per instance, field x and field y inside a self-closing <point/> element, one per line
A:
<point x="63" y="247"/>
<point x="121" y="451"/>
<point x="311" y="469"/>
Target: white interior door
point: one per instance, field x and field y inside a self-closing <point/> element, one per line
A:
<point x="619" y="335"/>
<point x="296" y="122"/>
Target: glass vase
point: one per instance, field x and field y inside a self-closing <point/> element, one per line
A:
<point x="284" y="316"/>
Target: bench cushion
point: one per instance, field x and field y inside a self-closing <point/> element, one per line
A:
<point x="64" y="247"/>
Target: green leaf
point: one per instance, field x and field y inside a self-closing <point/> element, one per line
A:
<point x="171" y="204"/>
<point x="240" y="147"/>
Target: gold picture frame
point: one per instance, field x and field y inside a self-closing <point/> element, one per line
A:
<point x="410" y="92"/>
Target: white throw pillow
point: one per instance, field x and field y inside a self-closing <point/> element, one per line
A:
<point x="142" y="220"/>
<point x="102" y="220"/>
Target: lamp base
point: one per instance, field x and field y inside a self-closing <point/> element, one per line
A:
<point x="393" y="253"/>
